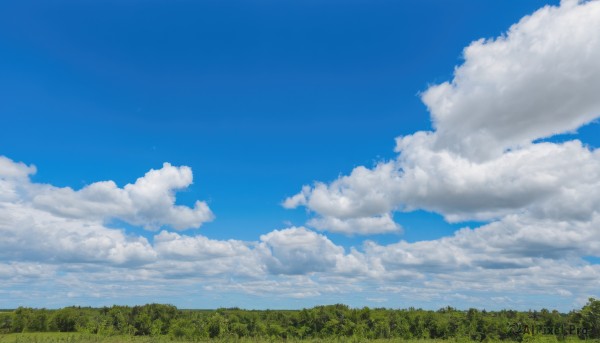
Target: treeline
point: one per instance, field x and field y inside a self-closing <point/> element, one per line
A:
<point x="319" y="322"/>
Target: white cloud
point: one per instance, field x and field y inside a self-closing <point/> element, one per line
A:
<point x="24" y="272"/>
<point x="181" y="255"/>
<point x="519" y="253"/>
<point x="12" y="177"/>
<point x="363" y="193"/>
<point x="362" y="226"/>
<point x="149" y="202"/>
<point x="298" y="199"/>
<point x="481" y="162"/>
<point x="538" y="80"/>
<point x="60" y="226"/>
<point x="29" y="234"/>
<point x="173" y="245"/>
<point x="517" y="242"/>
<point x="40" y="222"/>
<point x="532" y="178"/>
<point x="298" y="251"/>
<point x="557" y="180"/>
<point x="12" y="170"/>
<point x="291" y="286"/>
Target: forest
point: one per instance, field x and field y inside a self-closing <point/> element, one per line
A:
<point x="321" y="322"/>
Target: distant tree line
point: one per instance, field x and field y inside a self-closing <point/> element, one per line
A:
<point x="319" y="322"/>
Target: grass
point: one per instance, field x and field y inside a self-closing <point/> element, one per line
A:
<point x="72" y="337"/>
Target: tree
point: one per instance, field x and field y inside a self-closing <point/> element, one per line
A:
<point x="64" y="320"/>
<point x="590" y="314"/>
<point x="5" y="322"/>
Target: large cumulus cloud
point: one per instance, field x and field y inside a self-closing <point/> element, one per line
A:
<point x="484" y="159"/>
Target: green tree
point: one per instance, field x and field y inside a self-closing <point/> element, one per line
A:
<point x="64" y="320"/>
<point x="590" y="314"/>
<point x="6" y="319"/>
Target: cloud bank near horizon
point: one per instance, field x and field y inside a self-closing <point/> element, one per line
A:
<point x="42" y="245"/>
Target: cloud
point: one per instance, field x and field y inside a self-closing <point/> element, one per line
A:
<point x="29" y="234"/>
<point x="181" y="255"/>
<point x="548" y="179"/>
<point x="11" y="170"/>
<point x="361" y="194"/>
<point x="286" y="286"/>
<point x="12" y="178"/>
<point x="298" y="199"/>
<point x="149" y="202"/>
<point x="486" y="160"/>
<point x="527" y="179"/>
<point x="298" y="251"/>
<point x="483" y="160"/>
<point x="61" y="226"/>
<point x="517" y="242"/>
<point x="362" y="225"/>
<point x="40" y="222"/>
<point x="173" y="245"/>
<point x="537" y="80"/>
<point x="72" y="257"/>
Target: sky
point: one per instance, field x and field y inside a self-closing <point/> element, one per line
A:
<point x="267" y="154"/>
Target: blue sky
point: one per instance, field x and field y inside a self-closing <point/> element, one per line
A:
<point x="258" y="98"/>
<point x="261" y="98"/>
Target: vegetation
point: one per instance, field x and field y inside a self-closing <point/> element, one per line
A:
<point x="60" y="337"/>
<point x="337" y="323"/>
